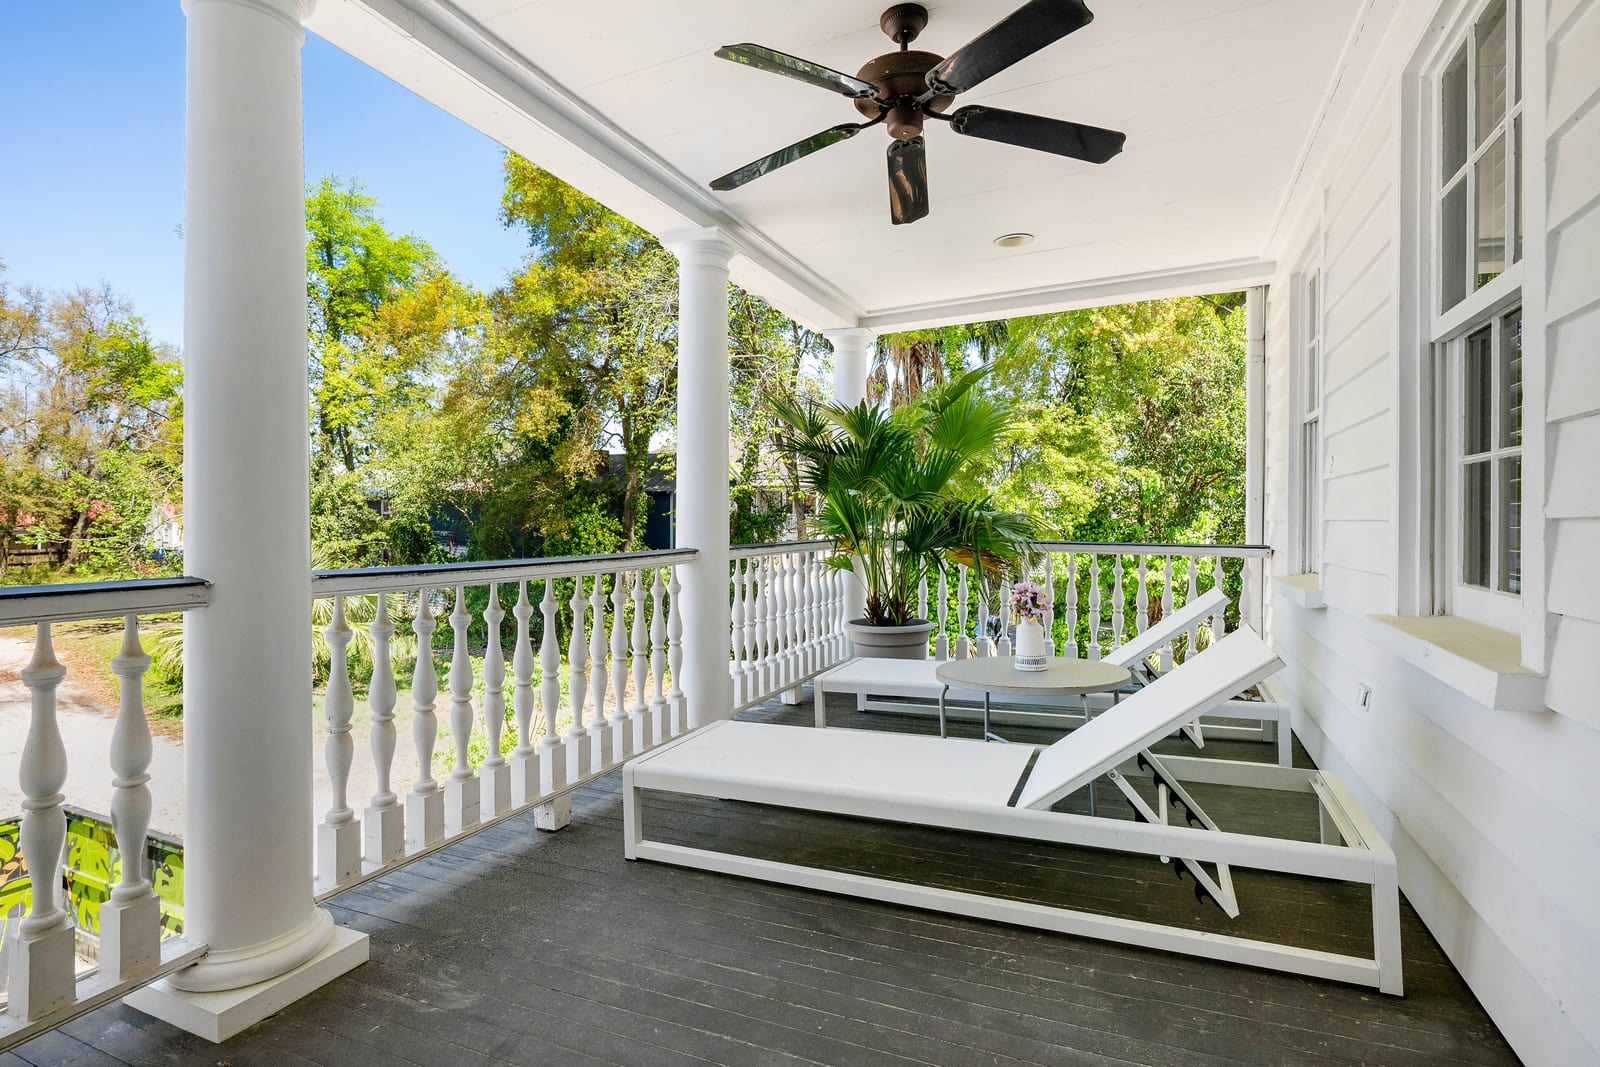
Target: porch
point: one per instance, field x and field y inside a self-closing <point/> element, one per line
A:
<point x="522" y="946"/>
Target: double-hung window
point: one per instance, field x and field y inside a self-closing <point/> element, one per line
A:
<point x="1478" y="323"/>
<point x="1309" y="406"/>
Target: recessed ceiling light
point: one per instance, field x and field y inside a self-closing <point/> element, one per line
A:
<point x="1014" y="240"/>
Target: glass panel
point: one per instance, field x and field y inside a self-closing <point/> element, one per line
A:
<point x="1511" y="380"/>
<point x="1313" y="345"/>
<point x="1517" y="53"/>
<point x="1453" y="116"/>
<point x="1516" y="191"/>
<point x="1490" y="171"/>
<point x="1477" y="394"/>
<point x="1490" y="73"/>
<point x="1510" y="561"/>
<point x="1475" y="520"/>
<point x="1453" y="247"/>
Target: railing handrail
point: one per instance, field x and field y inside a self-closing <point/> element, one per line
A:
<point x="24" y="605"/>
<point x="778" y="548"/>
<point x="357" y="581"/>
<point x="1132" y="548"/>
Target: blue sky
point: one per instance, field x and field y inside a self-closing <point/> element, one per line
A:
<point x="91" y="154"/>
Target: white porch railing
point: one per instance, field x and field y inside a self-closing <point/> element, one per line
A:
<point x="617" y="695"/>
<point x="47" y="986"/>
<point x="787" y="618"/>
<point x="1099" y="595"/>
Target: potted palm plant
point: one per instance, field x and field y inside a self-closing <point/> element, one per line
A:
<point x="891" y="502"/>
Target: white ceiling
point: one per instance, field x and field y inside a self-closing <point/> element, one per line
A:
<point x="625" y="99"/>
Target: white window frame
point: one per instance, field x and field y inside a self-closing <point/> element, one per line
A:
<point x="1487" y="604"/>
<point x="1306" y="395"/>
<point x="1424" y="526"/>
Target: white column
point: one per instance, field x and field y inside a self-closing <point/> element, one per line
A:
<point x="852" y="351"/>
<point x="247" y="680"/>
<point x="1255" y="382"/>
<point x="702" y="515"/>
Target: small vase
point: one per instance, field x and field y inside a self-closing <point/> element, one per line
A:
<point x="1031" y="652"/>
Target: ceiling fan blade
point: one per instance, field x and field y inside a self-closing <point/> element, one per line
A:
<point x="784" y="156"/>
<point x="1019" y="35"/>
<point x="754" y="55"/>
<point x="908" y="181"/>
<point x="1089" y="143"/>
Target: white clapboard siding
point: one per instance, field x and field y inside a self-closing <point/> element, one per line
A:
<point x="1488" y="810"/>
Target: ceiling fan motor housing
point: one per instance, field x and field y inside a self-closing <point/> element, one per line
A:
<point x="899" y="77"/>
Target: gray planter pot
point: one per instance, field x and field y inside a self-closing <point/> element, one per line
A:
<point x="890" y="642"/>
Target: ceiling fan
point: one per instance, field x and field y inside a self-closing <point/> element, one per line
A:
<point x="904" y="89"/>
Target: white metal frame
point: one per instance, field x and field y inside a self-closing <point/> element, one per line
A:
<point x="1351" y="850"/>
<point x="1306" y="377"/>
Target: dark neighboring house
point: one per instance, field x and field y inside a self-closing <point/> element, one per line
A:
<point x="660" y="486"/>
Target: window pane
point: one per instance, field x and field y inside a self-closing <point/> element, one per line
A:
<point x="1511" y="380"/>
<point x="1453" y="247"/>
<point x="1490" y="171"/>
<point x="1516" y="191"/>
<point x="1475" y="521"/>
<point x="1477" y="394"/>
<point x="1510" y="562"/>
<point x="1453" y="115"/>
<point x="1490" y="75"/>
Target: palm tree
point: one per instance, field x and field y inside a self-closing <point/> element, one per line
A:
<point x="885" y="480"/>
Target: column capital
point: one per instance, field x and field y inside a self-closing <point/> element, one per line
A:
<point x="291" y="12"/>
<point x="847" y="336"/>
<point x="701" y="246"/>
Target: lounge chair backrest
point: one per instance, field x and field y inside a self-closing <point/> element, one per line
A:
<point x="1222" y="671"/>
<point x="1138" y="649"/>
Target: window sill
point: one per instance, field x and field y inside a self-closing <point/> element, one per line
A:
<point x="1474" y="659"/>
<point x="1304" y="590"/>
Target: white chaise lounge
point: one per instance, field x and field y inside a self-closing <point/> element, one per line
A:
<point x="887" y="684"/>
<point x="1009" y="790"/>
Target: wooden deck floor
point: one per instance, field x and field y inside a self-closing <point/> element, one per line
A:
<point x="521" y="947"/>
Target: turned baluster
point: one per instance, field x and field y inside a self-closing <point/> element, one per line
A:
<point x="1166" y="609"/>
<point x="780" y="621"/>
<point x="1119" y="618"/>
<point x="130" y="922"/>
<point x="941" y="643"/>
<point x="496" y="788"/>
<point x="1049" y="604"/>
<point x="659" y="719"/>
<point x="1141" y="619"/>
<point x="462" y="797"/>
<point x="752" y="652"/>
<point x="736" y="664"/>
<point x="42" y="962"/>
<point x="763" y="658"/>
<point x="525" y="757"/>
<point x="1219" y="618"/>
<point x="1005" y="619"/>
<point x="552" y="747"/>
<point x="639" y="714"/>
<point x="339" y="836"/>
<point x="1247" y="599"/>
<point x="579" y="747"/>
<point x="922" y="597"/>
<point x="1072" y="606"/>
<point x="600" y="750"/>
<point x="1194" y="587"/>
<point x="620" y="732"/>
<point x="963" y="642"/>
<point x="425" y="803"/>
<point x="675" y="704"/>
<point x="384" y="828"/>
<point x="1094" y="606"/>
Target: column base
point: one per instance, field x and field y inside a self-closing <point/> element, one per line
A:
<point x="130" y="937"/>
<point x="219" y="1016"/>
<point x="385" y="833"/>
<point x="462" y="804"/>
<point x="43" y="977"/>
<point x="524" y="778"/>
<point x="424" y="820"/>
<point x="338" y="853"/>
<point x="556" y="815"/>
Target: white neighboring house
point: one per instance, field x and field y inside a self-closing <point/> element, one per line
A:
<point x="1410" y="191"/>
<point x="164" y="528"/>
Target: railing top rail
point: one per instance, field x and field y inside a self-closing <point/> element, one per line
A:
<point x="1143" y="549"/>
<point x="778" y="548"/>
<point x="24" y="605"/>
<point x="441" y="575"/>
